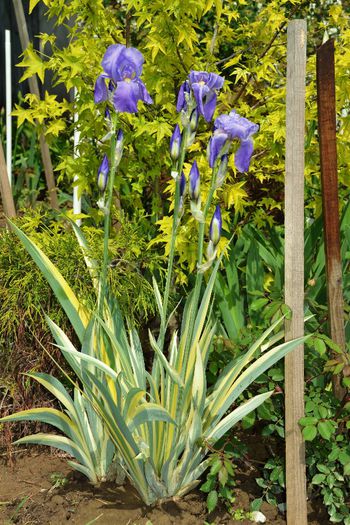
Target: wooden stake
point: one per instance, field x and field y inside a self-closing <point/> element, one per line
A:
<point x="294" y="270"/>
<point x="34" y="88"/>
<point x="330" y="202"/>
<point x="5" y="188"/>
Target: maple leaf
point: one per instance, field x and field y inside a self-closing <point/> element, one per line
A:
<point x="33" y="63"/>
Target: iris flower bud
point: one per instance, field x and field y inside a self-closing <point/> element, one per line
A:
<point x="175" y="143"/>
<point x="194" y="182"/>
<point x="102" y="175"/>
<point x="119" y="146"/>
<point x="194" y="120"/>
<point x="182" y="184"/>
<point x="221" y="171"/>
<point x="215" y="226"/>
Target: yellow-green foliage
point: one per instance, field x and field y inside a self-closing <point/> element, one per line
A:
<point x="244" y="41"/>
<point x="25" y="293"/>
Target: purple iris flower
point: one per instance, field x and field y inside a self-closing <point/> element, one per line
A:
<point x="228" y="128"/>
<point x="122" y="67"/>
<point x="204" y="87"/>
<point x="175" y="143"/>
<point x="194" y="182"/>
<point x="102" y="175"/>
<point x="215" y="226"/>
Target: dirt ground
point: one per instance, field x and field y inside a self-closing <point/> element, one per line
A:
<point x="41" y="489"/>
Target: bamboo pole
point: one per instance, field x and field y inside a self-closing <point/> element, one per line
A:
<point x="294" y="270"/>
<point x="34" y="88"/>
<point x="330" y="201"/>
<point x="5" y="188"/>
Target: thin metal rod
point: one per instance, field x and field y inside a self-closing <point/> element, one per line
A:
<point x="8" y="76"/>
<point x="294" y="271"/>
<point x="76" y="197"/>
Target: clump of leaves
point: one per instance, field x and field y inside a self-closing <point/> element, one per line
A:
<point x="326" y="428"/>
<point x="25" y="294"/>
<point x="220" y="479"/>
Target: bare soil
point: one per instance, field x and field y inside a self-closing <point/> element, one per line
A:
<point x="42" y="489"/>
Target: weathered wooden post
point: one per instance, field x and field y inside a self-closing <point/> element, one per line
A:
<point x="330" y="203"/>
<point x="5" y="188"/>
<point x="34" y="88"/>
<point x="294" y="270"/>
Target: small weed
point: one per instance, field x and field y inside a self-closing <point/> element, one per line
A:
<point x="58" y="480"/>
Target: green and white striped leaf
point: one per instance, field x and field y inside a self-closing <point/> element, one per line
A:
<point x="229" y="421"/>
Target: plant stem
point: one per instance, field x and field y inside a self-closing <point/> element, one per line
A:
<point x="173" y="239"/>
<point x="107" y="228"/>
<point x="199" y="276"/>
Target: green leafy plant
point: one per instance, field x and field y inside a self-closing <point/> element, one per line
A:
<point x="161" y="422"/>
<point x="220" y="480"/>
<point x="325" y="428"/>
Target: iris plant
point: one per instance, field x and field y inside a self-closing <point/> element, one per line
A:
<point x="160" y="423"/>
<point x="204" y="87"/>
<point x="226" y="129"/>
<point x="120" y="80"/>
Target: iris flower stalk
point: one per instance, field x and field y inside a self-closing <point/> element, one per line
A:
<point x="177" y="165"/>
<point x="116" y="145"/>
<point x="201" y="232"/>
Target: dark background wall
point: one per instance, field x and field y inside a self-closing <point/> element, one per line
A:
<point x="37" y="23"/>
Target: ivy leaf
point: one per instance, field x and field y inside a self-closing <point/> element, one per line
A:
<point x="212" y="500"/>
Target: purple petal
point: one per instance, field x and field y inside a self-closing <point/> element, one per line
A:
<point x="243" y="155"/>
<point x="215" y="81"/>
<point x="110" y="61"/>
<point x="181" y="100"/>
<point x="236" y="126"/>
<point x="127" y="94"/>
<point x="199" y="91"/>
<point x="120" y="62"/>
<point x="216" y="143"/>
<point x="209" y="106"/>
<point x="145" y="96"/>
<point x="212" y="80"/>
<point x="100" y="93"/>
